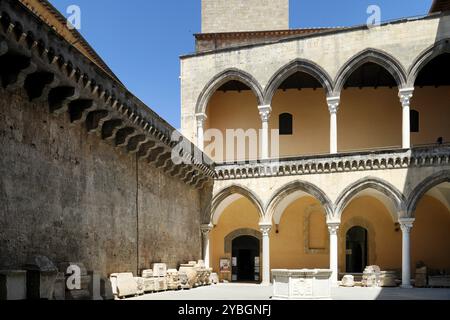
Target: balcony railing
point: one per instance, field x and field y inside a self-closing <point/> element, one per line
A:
<point x="379" y="159"/>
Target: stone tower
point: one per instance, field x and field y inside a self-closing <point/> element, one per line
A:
<point x="244" y="15"/>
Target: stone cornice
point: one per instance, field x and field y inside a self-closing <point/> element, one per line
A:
<point x="344" y="162"/>
<point x="50" y="69"/>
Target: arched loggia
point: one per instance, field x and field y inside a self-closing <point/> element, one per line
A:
<point x="430" y="77"/>
<point x="370" y="114"/>
<point x="229" y="75"/>
<point x="300" y="89"/>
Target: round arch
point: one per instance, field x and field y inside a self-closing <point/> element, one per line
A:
<point x="298" y="65"/>
<point x="238" y="233"/>
<point x="381" y="188"/>
<point x="227" y="196"/>
<point x="425" y="57"/>
<point x="291" y="192"/>
<point x="222" y="78"/>
<point x="379" y="57"/>
<point x="423" y="187"/>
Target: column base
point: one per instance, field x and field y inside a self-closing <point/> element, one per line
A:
<point x="265" y="284"/>
<point x="406" y="286"/>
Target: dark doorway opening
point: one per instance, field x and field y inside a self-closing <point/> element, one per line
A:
<point x="245" y="264"/>
<point x="356" y="250"/>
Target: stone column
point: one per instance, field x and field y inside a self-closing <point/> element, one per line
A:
<point x="333" y="229"/>
<point x="405" y="98"/>
<point x="264" y="112"/>
<point x="265" y="229"/>
<point x="206" y="229"/>
<point x="406" y="226"/>
<point x="201" y="118"/>
<point x="333" y="107"/>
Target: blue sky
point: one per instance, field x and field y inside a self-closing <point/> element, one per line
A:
<point x="141" y="40"/>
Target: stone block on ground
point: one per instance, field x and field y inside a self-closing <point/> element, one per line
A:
<point x="148" y="273"/>
<point x="13" y="285"/>
<point x="388" y="279"/>
<point x="123" y="284"/>
<point x="41" y="277"/>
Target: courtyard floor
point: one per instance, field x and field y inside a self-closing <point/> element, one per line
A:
<point x="256" y="292"/>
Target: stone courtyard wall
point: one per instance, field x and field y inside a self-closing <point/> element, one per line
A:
<point x="68" y="195"/>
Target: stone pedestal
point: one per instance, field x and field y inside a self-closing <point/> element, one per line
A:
<point x="348" y="281"/>
<point x="159" y="270"/>
<point x="184" y="280"/>
<point x="421" y="278"/>
<point x="191" y="272"/>
<point x="371" y="277"/>
<point x="214" y="278"/>
<point x="173" y="282"/>
<point x="302" y="284"/>
<point x="13" y="285"/>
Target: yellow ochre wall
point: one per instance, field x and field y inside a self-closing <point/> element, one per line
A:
<point x="367" y="118"/>
<point x="287" y="248"/>
<point x="430" y="236"/>
<point x="433" y="105"/>
<point x="384" y="242"/>
<point x="238" y="215"/>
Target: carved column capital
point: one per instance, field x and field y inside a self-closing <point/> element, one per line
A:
<point x="265" y="112"/>
<point x="333" y="228"/>
<point x="333" y="104"/>
<point x="406" y="224"/>
<point x="206" y="229"/>
<point x="265" y="228"/>
<point x="405" y="96"/>
<point x="201" y="118"/>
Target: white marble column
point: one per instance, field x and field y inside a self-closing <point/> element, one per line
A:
<point x="333" y="107"/>
<point x="333" y="229"/>
<point x="406" y="226"/>
<point x="405" y="98"/>
<point x="264" y="112"/>
<point x="201" y="119"/>
<point x="206" y="229"/>
<point x="265" y="230"/>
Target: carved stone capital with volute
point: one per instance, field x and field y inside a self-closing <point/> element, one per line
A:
<point x="265" y="228"/>
<point x="333" y="104"/>
<point x="201" y="118"/>
<point x="206" y="229"/>
<point x="406" y="224"/>
<point x="405" y="96"/>
<point x="333" y="228"/>
<point x="265" y="112"/>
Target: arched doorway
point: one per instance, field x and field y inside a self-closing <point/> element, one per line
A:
<point x="245" y="259"/>
<point x="356" y="250"/>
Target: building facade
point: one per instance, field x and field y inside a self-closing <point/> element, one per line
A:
<point x="363" y="173"/>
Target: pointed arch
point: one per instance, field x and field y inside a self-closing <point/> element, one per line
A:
<point x="297" y="65"/>
<point x="423" y="187"/>
<point x="383" y="59"/>
<point x="227" y="75"/>
<point x="379" y="185"/>
<point x="292" y="191"/>
<point x="425" y="57"/>
<point x="229" y="195"/>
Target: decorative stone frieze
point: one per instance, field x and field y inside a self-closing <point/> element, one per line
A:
<point x="302" y="284"/>
<point x="344" y="162"/>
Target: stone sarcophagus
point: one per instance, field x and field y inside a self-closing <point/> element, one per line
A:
<point x="303" y="284"/>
